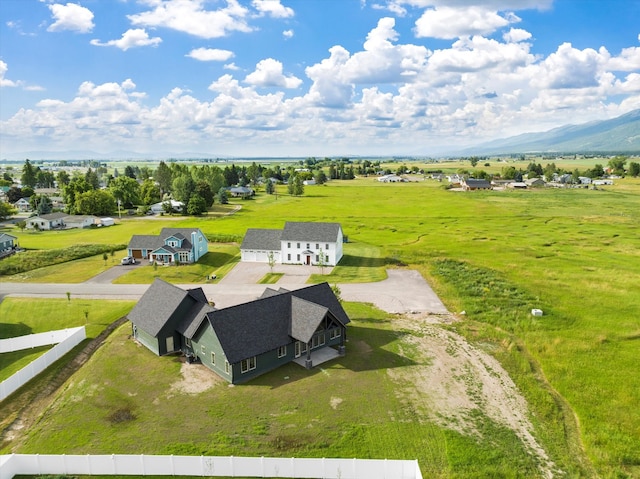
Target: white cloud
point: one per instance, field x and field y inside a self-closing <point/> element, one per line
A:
<point x="71" y="17"/>
<point x="190" y="16"/>
<point x="480" y="53"/>
<point x="516" y="35"/>
<point x="392" y="6"/>
<point x="210" y="54"/>
<point x="328" y="89"/>
<point x="288" y="34"/>
<point x="497" y="5"/>
<point x="268" y="73"/>
<point x="569" y="67"/>
<point x="389" y="96"/>
<point x="273" y="8"/>
<point x="132" y="38"/>
<point x="382" y="61"/>
<point x="5" y="82"/>
<point x="448" y="22"/>
<point x="629" y="60"/>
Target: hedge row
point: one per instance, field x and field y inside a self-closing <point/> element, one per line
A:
<point x="33" y="259"/>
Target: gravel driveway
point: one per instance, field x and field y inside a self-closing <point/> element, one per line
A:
<point x="404" y="291"/>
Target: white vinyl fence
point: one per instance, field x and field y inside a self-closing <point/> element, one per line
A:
<point x="65" y="340"/>
<point x="211" y="466"/>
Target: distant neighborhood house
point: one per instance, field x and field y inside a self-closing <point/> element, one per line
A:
<point x="23" y="205"/>
<point x="61" y="220"/>
<point x="161" y="207"/>
<point x="297" y="243"/>
<point x="171" y="246"/>
<point x="391" y="179"/>
<point x="7" y="244"/>
<point x="244" y="341"/>
<point x="470" y="184"/>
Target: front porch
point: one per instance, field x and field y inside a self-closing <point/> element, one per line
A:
<point x="318" y="356"/>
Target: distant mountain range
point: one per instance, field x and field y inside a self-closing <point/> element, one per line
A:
<point x="618" y="135"/>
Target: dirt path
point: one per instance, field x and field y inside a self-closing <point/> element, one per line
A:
<point x="455" y="378"/>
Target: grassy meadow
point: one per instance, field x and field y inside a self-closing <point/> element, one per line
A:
<point x="573" y="253"/>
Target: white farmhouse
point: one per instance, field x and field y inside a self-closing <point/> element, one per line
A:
<point x="297" y="243"/>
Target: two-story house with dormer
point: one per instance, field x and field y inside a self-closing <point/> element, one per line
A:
<point x="171" y="246"/>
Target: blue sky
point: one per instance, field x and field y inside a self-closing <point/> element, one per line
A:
<point x="307" y="77"/>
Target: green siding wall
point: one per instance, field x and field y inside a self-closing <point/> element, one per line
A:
<point x="209" y="341"/>
<point x="148" y="340"/>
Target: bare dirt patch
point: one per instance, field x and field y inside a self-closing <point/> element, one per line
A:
<point x="456" y="379"/>
<point x="335" y="402"/>
<point x="196" y="379"/>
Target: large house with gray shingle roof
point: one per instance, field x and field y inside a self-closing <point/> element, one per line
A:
<point x="297" y="243"/>
<point x="244" y="341"/>
<point x="171" y="246"/>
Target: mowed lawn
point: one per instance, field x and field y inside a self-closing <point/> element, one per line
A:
<point x="575" y="254"/>
<point x="346" y="408"/>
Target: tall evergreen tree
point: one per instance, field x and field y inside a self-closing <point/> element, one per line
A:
<point x="28" y="177"/>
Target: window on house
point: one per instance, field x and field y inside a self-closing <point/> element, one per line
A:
<point x="289" y="257"/>
<point x="326" y="246"/>
<point x="318" y="339"/>
<point x="298" y="258"/>
<point x="226" y="366"/>
<point x="317" y="259"/>
<point x="298" y="245"/>
<point x="308" y="246"/>
<point x="213" y="358"/>
<point x="288" y="245"/>
<point x="335" y="333"/>
<point x="247" y="365"/>
<point x="282" y="351"/>
<point x="317" y="246"/>
<point x="203" y="349"/>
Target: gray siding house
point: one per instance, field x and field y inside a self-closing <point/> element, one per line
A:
<point x="244" y="341"/>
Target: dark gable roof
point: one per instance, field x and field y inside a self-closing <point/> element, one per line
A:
<point x="478" y="183"/>
<point x="154" y="242"/>
<point x="311" y="231"/>
<point x="305" y="318"/>
<point x="262" y="239"/>
<point x="145" y="242"/>
<point x="156" y="306"/>
<point x="161" y="301"/>
<point x="267" y="323"/>
<point x="183" y="232"/>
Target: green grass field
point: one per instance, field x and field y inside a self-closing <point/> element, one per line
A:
<point x="495" y="255"/>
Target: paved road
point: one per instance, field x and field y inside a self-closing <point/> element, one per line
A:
<point x="404" y="291"/>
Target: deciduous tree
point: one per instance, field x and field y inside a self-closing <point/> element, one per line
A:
<point x="95" y="202"/>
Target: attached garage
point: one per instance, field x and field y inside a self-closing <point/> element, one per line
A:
<point x="259" y="243"/>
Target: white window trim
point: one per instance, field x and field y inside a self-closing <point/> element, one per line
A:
<point x="248" y="364"/>
<point x="213" y="358"/>
<point x="282" y="351"/>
